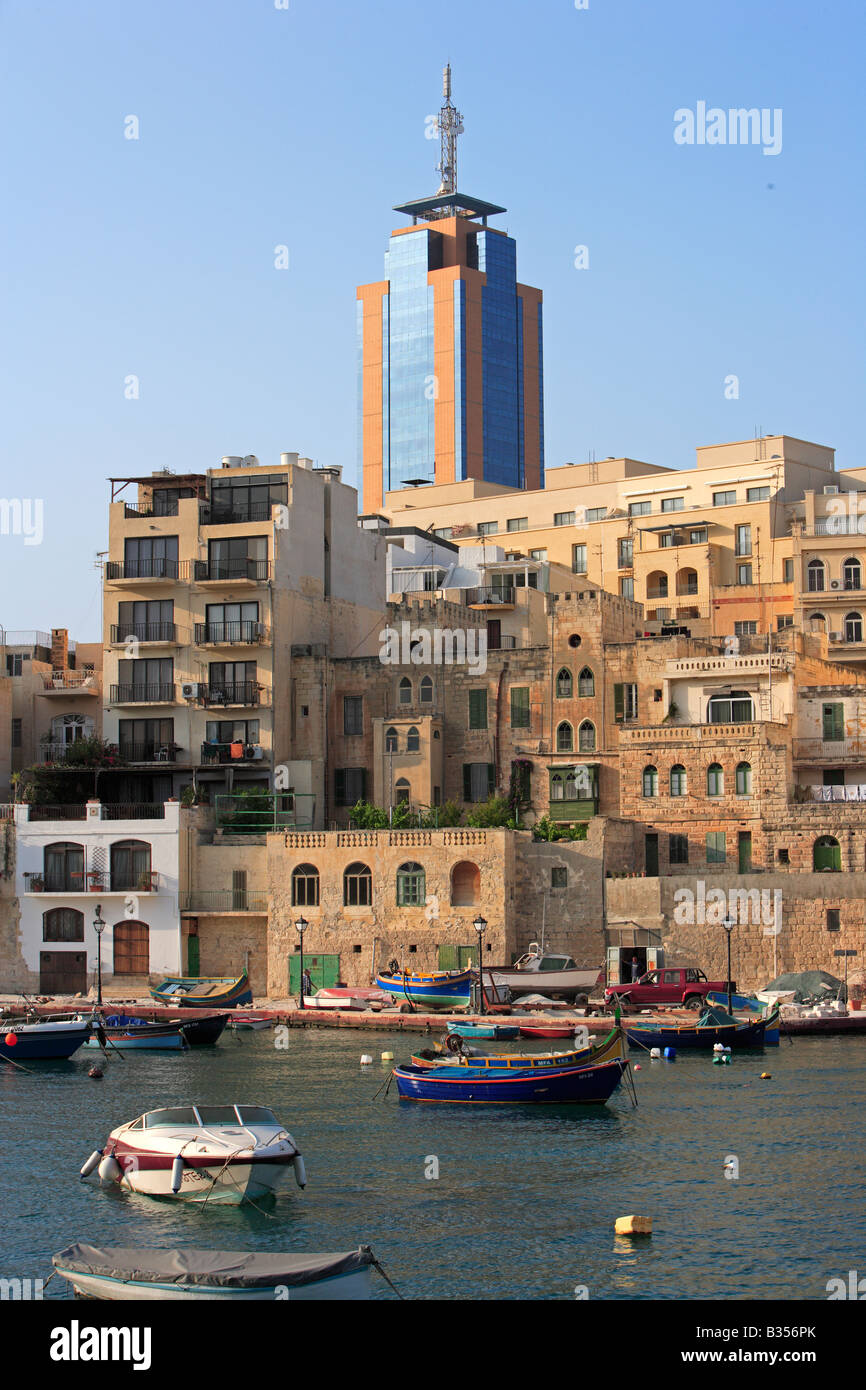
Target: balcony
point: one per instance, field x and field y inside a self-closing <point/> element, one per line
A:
<point x="161" y="693"/>
<point x="93" y="881"/>
<point x="225" y="900"/>
<point x="70" y="683"/>
<point x="490" y="597"/>
<point x="238" y="634"/>
<point x="162" y="633"/>
<point x="219" y="514"/>
<point x="231" y="753"/>
<point x="242" y="693"/>
<point x="133" y="810"/>
<point x="830" y="752"/>
<point x="51" y="812"/>
<point x="147" y="571"/>
<point x="163" y="507"/>
<point x="149" y="752"/>
<point x="504" y="643"/>
<point x="243" y="571"/>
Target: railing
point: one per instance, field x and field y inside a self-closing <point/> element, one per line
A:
<point x="257" y="814"/>
<point x="229" y="634"/>
<point x="505" y="643"/>
<point x="225" y="900"/>
<point x="144" y="632"/>
<point x="162" y="508"/>
<point x="490" y="595"/>
<point x="70" y="882"/>
<point x="159" y="693"/>
<point x="149" y="752"/>
<point x="210" y="571"/>
<point x="70" y="680"/>
<point x="848" y="748"/>
<point x="54" y="752"/>
<point x="133" y="810"/>
<point x="686" y="590"/>
<point x="837" y="526"/>
<point x="240" y="693"/>
<point x="44" y="812"/>
<point x="147" y="569"/>
<point x="218" y="514"/>
<point x="93" y="881"/>
<point x="657" y="593"/>
<point x="145" y="881"/>
<point x="226" y="752"/>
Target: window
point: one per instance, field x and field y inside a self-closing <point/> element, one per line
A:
<point x="650" y="781"/>
<point x="559" y="877"/>
<point x="789" y="571"/>
<point x="488" y="528"/>
<point x="817" y="622"/>
<point x="150" y="557"/>
<point x="657" y="584"/>
<point x="63" y="865"/>
<point x="625" y="701"/>
<point x="586" y="737"/>
<point x="16" y="733"/>
<point x="626" y="589"/>
<point x="63" y="924"/>
<point x="698" y="536"/>
<point x="478" y="709"/>
<point x="353" y="714"/>
<point x="639" y="508"/>
<point x="673" y="504"/>
<point x="744" y="574"/>
<point x="744" y="779"/>
<point x="783" y="856"/>
<point x="229" y="682"/>
<point x="479" y="781"/>
<point x="595" y="513"/>
<point x="833" y="724"/>
<point x="520" y="707"/>
<point x="757" y="494"/>
<point x="538" y="555"/>
<point x="733" y="708"/>
<point x="724" y="499"/>
<point x="564" y="684"/>
<point x="786" y="620"/>
<point x="687" y="581"/>
<point x="563" y="518"/>
<point x="625" y="553"/>
<point x="413" y="740"/>
<point x="743" y="540"/>
<point x="530" y="579"/>
<point x="402" y="791"/>
<point x="853" y="627"/>
<point x="517" y="523"/>
<point x="833" y="919"/>
<point x="305" y="886"/>
<point x="578" y="559"/>
<point x="357" y="886"/>
<point x="465" y="884"/>
<point x="425" y="692"/>
<point x="746" y="627"/>
<point x="564" y="738"/>
<point x="715" y="780"/>
<point x="716" y="847"/>
<point x="411" y="885"/>
<point x="350" y="785"/>
<point x="815" y="576"/>
<point x="586" y="684"/>
<point x="14" y="662"/>
<point x="851" y="574"/>
<point x="678" y="780"/>
<point x="391" y="740"/>
<point x="130" y="866"/>
<point x="678" y="849"/>
<point x="443" y="533"/>
<point x="404" y="691"/>
<point x="572" y="784"/>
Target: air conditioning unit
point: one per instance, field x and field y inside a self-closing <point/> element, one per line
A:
<point x="835" y="637"/>
<point x="834" y="583"/>
<point x="257" y="752"/>
<point x="190" y="690"/>
<point x="832" y="491"/>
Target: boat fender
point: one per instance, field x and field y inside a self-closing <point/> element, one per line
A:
<point x="177" y="1173"/>
<point x="300" y="1170"/>
<point x="655" y="1053"/>
<point x="454" y="1042"/>
<point x="366" y="1060"/>
<point x="109" y="1169"/>
<point x="91" y="1163"/>
<point x="638" y="1067"/>
<point x="670" y="1053"/>
<point x="387" y="1056"/>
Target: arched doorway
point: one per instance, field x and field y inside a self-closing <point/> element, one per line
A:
<point x="827" y="855"/>
<point x="131" y="948"/>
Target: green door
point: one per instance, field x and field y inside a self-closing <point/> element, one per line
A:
<point x="827" y="855"/>
<point x="324" y="971"/>
<point x="744" y="851"/>
<point x="457" y="957"/>
<point x="192" y="956"/>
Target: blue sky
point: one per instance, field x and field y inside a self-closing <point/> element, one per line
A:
<point x="261" y="127"/>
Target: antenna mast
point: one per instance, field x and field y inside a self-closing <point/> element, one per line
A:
<point x="450" y="126"/>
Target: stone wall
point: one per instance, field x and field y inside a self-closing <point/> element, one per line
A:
<point x="571" y="917"/>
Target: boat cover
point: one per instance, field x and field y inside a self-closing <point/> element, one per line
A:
<point x="806" y="985"/>
<point x="714" y="1016"/>
<point x="223" y="1268"/>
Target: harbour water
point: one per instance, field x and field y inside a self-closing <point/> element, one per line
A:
<point x="525" y="1199"/>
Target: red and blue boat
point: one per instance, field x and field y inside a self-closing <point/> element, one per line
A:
<point x="583" y="1085"/>
<point x="43" y="1040"/>
<point x="714" y="1026"/>
<point x="437" y="989"/>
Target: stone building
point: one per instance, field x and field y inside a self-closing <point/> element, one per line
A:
<point x="50" y="697"/>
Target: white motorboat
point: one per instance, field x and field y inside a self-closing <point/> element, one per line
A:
<point x="197" y="1153"/>
<point x="540" y="972"/>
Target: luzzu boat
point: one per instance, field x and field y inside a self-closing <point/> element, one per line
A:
<point x="500" y="1032"/>
<point x="593" y="1084"/>
<point x="219" y="1153"/>
<point x="609" y="1049"/>
<point x="136" y="1034"/>
<point x="438" y="989"/>
<point x="44" y="1040"/>
<point x="715" y="1025"/>
<point x="204" y="992"/>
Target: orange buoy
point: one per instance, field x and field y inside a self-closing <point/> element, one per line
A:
<point x="11" y="1040"/>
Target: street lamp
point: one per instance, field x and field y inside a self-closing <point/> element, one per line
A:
<point x="99" y="925"/>
<point x="729" y="925"/>
<point x="301" y="926"/>
<point x="480" y="926"/>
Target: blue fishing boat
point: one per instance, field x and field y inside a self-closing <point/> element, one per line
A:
<point x="137" y="1034"/>
<point x="607" y="1050"/>
<point x="499" y="1032"/>
<point x="204" y="992"/>
<point x="586" y="1085"/>
<point x="437" y="989"/>
<point x="715" y="1025"/>
<point x="42" y="1040"/>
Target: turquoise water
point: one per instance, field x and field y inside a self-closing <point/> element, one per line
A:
<point x="526" y="1198"/>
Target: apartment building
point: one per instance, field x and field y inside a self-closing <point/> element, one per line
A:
<point x="50" y="697"/>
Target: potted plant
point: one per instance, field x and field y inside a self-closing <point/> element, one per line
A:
<point x="94" y="880"/>
<point x="145" y="881"/>
<point x="37" y="883"/>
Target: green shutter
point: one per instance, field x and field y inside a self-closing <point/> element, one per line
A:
<point x="340" y="786"/>
<point x="833" y="731"/>
<point x="467" y="781"/>
<point x="478" y="709"/>
<point x="619" y="701"/>
<point x="491" y="778"/>
<point x="448" y="958"/>
<point x="520" y="707"/>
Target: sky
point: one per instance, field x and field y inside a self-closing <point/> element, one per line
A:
<point x="299" y="124"/>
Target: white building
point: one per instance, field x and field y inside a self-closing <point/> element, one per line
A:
<point x="98" y="856"/>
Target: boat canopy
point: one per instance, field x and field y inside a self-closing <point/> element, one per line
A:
<point x="223" y="1268"/>
<point x="714" y="1016"/>
<point x="204" y="1115"/>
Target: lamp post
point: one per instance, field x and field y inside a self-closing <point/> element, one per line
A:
<point x="300" y="927"/>
<point x="729" y="925"/>
<point x="480" y="926"/>
<point x="99" y="925"/>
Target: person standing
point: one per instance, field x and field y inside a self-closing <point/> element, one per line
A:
<point x="635" y="970"/>
<point x="306" y="983"/>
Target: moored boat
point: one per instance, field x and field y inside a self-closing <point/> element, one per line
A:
<point x="608" y="1049"/>
<point x="715" y="1025"/>
<point x="219" y="1153"/>
<point x="204" y="1031"/>
<point x="436" y="989"/>
<point x="547" y="1030"/>
<point x="592" y="1084"/>
<point x="133" y="1034"/>
<point x="500" y="1032"/>
<point x="137" y="1274"/>
<point x="204" y="992"/>
<point x="42" y="1040"/>
<point x="541" y="972"/>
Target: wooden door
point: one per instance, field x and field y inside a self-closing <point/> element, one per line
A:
<point x="744" y="852"/>
<point x="324" y="971"/>
<point x="131" y="948"/>
<point x="651" y="855"/>
<point x="62" y="972"/>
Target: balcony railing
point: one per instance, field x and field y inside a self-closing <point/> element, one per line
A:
<point x="231" y="752"/>
<point x="225" y="900"/>
<point x="242" y="693"/>
<point x="221" y="514"/>
<point x="53" y="812"/>
<point x="143" y="694"/>
<point x="848" y="749"/>
<point x="837" y="526"/>
<point x="133" y="810"/>
<point x="232" y="571"/>
<point x="144" y="632"/>
<point x="147" y="569"/>
<point x="149" y="752"/>
<point x="70" y="680"/>
<point x="503" y="643"/>
<point x="161" y="508"/>
<point x="143" y="881"/>
<point x="70" y="882"/>
<point x="229" y="634"/>
<point x="491" y="595"/>
<point x="93" y="881"/>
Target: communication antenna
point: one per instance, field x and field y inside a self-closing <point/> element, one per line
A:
<point x="450" y="127"/>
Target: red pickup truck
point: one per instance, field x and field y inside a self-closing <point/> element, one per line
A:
<point x="672" y="985"/>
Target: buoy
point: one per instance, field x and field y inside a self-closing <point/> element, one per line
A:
<point x="109" y="1169"/>
<point x="177" y="1173"/>
<point x="637" y="1067"/>
<point x="718" y="1047"/>
<point x="765" y="1076"/>
<point x="722" y="1059"/>
<point x="366" y="1061"/>
<point x="11" y="1040"/>
<point x="387" y="1056"/>
<point x="634" y="1226"/>
<point x="96" y="1073"/>
<point x="655" y="1053"/>
<point x="670" y="1053"/>
<point x="300" y="1170"/>
<point x="91" y="1163"/>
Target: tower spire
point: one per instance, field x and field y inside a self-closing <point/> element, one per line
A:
<point x="450" y="126"/>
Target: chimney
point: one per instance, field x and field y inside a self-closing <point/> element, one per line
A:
<point x="59" y="649"/>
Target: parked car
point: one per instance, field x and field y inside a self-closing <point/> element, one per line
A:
<point x="670" y="986"/>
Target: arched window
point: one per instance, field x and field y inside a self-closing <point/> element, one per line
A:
<point x="404" y="691"/>
<point x="465" y="884"/>
<point x="732" y="707"/>
<point x="305" y="886"/>
<point x="815" y="572"/>
<point x="411" y="885"/>
<point x="557" y="786"/>
<point x="817" y="622"/>
<point x="853" y="627"/>
<point x="64" y="867"/>
<point x="391" y="741"/>
<point x="586" y="737"/>
<point x="402" y="790"/>
<point x="679" y="781"/>
<point x="586" y="684"/>
<point x="357" y="886"/>
<point x="130" y="866"/>
<point x="564" y="737"/>
<point x="564" y="684"/>
<point x="426" y="691"/>
<point x="715" y="780"/>
<point x="63" y="924"/>
<point x="650" y="781"/>
<point x="657" y="584"/>
<point x="852" y="573"/>
<point x="413" y="740"/>
<point x="687" y="581"/>
<point x="826" y="855"/>
<point x="744" y="779"/>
